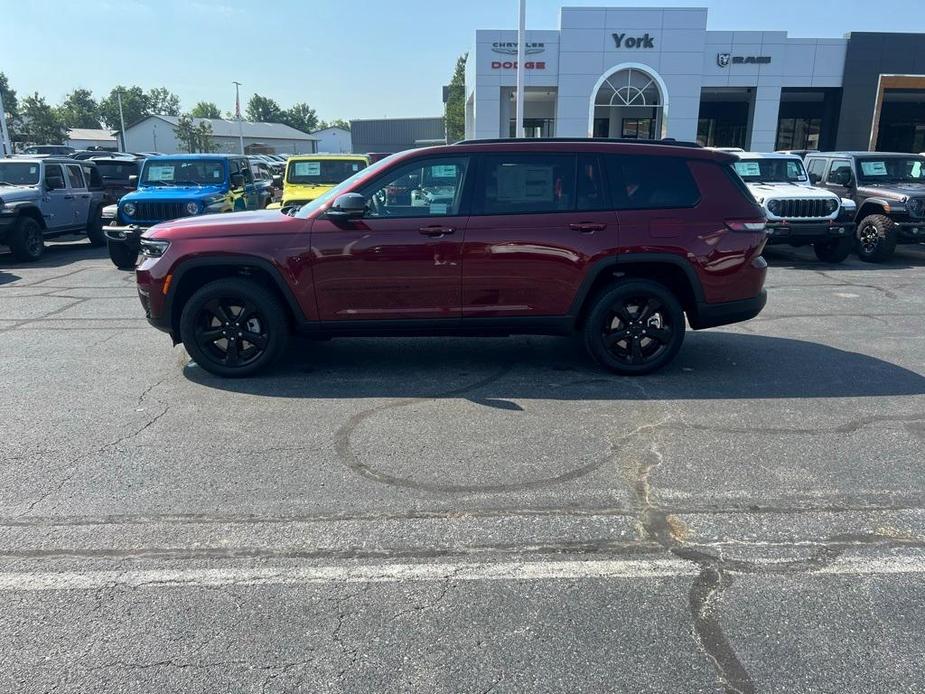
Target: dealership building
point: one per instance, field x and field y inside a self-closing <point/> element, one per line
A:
<point x="652" y="73"/>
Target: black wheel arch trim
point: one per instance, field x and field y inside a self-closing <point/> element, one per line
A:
<point x="882" y="203"/>
<point x="612" y="264"/>
<point x="235" y="262"/>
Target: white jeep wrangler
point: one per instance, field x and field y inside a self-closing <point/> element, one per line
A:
<point x="798" y="213"/>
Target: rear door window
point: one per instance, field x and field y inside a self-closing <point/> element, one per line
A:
<point x="527" y="183"/>
<point x="75" y="176"/>
<point x="641" y="183"/>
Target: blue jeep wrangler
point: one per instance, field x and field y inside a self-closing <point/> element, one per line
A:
<point x="179" y="185"/>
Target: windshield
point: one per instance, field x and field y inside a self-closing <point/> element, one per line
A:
<point x="892" y="170"/>
<point x="19" y="173"/>
<point x="323" y="171"/>
<point x="171" y="172"/>
<point x="321" y="200"/>
<point x="116" y="170"/>
<point x="771" y="170"/>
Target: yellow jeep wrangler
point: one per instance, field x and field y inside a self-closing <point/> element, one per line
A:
<point x="311" y="175"/>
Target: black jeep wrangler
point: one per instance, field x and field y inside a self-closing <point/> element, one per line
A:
<point x="889" y="190"/>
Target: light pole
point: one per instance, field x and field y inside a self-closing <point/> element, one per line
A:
<point x="121" y="118"/>
<point x="6" y="148"/>
<point x="237" y="112"/>
<point x="521" y="40"/>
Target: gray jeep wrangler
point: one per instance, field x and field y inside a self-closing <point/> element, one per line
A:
<point x="42" y="198"/>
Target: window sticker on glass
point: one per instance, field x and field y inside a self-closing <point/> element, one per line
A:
<point x="443" y="171"/>
<point x="438" y="208"/>
<point x="355" y="167"/>
<point x="307" y="168"/>
<point x="160" y="173"/>
<point x="517" y="183"/>
<point x="748" y="168"/>
<point x="795" y="171"/>
<point x="873" y="168"/>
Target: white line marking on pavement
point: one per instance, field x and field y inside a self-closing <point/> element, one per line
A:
<point x="395" y="573"/>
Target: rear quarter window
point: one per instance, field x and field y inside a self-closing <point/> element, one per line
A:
<point x="640" y="183"/>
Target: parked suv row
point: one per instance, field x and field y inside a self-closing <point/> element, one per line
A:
<point x="888" y="191"/>
<point x="616" y="241"/>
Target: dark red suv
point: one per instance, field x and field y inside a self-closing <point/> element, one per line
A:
<point x="611" y="239"/>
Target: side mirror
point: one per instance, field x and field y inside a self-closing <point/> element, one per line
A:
<point x="237" y="180"/>
<point x="278" y="180"/>
<point x="133" y="181"/>
<point x="814" y="178"/>
<point x="347" y="206"/>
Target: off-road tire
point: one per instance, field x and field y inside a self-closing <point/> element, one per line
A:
<point x="27" y="241"/>
<point x="210" y="317"/>
<point x="834" y="250"/>
<point x="629" y="342"/>
<point x="875" y="249"/>
<point x="95" y="229"/>
<point x="122" y="255"/>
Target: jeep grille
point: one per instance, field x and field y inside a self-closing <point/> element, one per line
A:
<point x="806" y="209"/>
<point x="159" y="211"/>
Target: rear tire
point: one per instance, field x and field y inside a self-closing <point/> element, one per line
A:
<point x="876" y="238"/>
<point x="27" y="242"/>
<point x="834" y="250"/>
<point x="234" y="327"/>
<point x="122" y="255"/>
<point x="95" y="229"/>
<point x="635" y="327"/>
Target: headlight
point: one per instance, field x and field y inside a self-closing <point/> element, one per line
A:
<point x="774" y="206"/>
<point x="831" y="205"/>
<point x="192" y="208"/>
<point x="129" y="209"/>
<point x="916" y="206"/>
<point x="153" y="248"/>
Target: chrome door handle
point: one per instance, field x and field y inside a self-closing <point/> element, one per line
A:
<point x="587" y="227"/>
<point x="68" y="197"/>
<point x="436" y="230"/>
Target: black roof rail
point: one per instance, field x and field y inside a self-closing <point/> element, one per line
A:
<point x="618" y="140"/>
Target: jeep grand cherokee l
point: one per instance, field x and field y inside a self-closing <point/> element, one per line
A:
<point x="616" y="241"/>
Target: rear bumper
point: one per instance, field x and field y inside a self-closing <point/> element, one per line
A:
<point x="712" y="315"/>
<point x="790" y="232"/>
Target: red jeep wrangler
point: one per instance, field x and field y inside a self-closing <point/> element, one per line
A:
<point x="615" y="240"/>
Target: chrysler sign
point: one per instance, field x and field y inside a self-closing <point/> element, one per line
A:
<point x="510" y="48"/>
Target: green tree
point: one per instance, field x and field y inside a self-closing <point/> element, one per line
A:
<point x="301" y="117"/>
<point x="80" y="110"/>
<point x="134" y="106"/>
<point x="41" y="123"/>
<point x="263" y="109"/>
<point x="161" y="101"/>
<point x="205" y="109"/>
<point x="186" y="131"/>
<point x="455" y="110"/>
<point x="204" y="140"/>
<point x="336" y="123"/>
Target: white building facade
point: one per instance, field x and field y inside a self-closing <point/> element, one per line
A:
<point x="653" y="73"/>
<point x="333" y="140"/>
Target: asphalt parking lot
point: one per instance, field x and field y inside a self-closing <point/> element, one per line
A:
<point x="466" y="514"/>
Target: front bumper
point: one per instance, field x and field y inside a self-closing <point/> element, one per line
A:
<point x="911" y="231"/>
<point x="802" y="232"/>
<point x="712" y="315"/>
<point x="129" y="234"/>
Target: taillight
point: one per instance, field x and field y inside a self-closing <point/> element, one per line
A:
<point x="750" y="226"/>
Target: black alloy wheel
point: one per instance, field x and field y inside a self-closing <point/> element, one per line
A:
<point x="27" y="243"/>
<point x="876" y="238"/>
<point x="635" y="328"/>
<point x="233" y="327"/>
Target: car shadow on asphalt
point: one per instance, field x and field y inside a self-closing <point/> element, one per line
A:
<point x="803" y="258"/>
<point x="57" y="254"/>
<point x="712" y="365"/>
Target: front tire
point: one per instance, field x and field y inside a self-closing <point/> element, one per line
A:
<point x="834" y="250"/>
<point x="27" y="242"/>
<point x="876" y="238"/>
<point x="635" y="327"/>
<point x="122" y="255"/>
<point x="234" y="327"/>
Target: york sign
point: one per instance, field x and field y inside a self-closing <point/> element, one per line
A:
<point x="624" y="41"/>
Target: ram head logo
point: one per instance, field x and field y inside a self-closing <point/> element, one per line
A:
<point x="722" y="59"/>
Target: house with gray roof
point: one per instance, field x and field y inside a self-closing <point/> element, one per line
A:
<point x="158" y="134"/>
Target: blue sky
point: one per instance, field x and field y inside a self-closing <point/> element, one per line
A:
<point x="347" y="58"/>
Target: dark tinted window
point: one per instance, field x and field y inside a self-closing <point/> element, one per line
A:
<point x="323" y="171"/>
<point x="528" y="183"/>
<point x="639" y="183"/>
<point x="590" y="184"/>
<point x="816" y="166"/>
<point x="117" y="170"/>
<point x="75" y="176"/>
<point x="838" y="165"/>
<point x="54" y="175"/>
